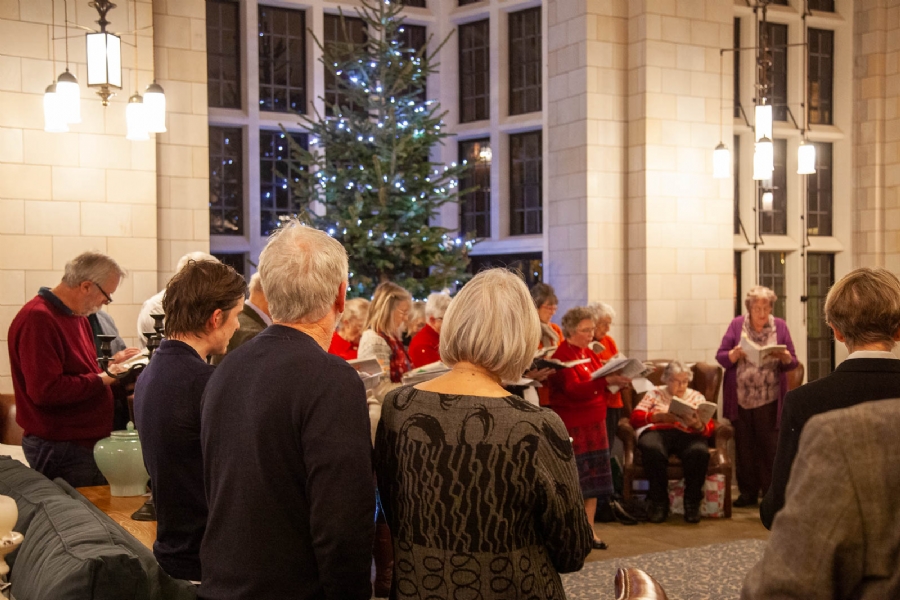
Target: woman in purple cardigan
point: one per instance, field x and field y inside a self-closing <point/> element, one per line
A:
<point x="752" y="394"/>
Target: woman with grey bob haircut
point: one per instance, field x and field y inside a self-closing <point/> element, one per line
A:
<point x="463" y="435"/>
<point x="301" y="286"/>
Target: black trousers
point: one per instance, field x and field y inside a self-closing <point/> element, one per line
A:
<point x="755" y="442"/>
<point x="691" y="448"/>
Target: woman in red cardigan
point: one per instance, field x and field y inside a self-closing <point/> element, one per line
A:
<point x="581" y="403"/>
<point x="661" y="434"/>
<point x="345" y="340"/>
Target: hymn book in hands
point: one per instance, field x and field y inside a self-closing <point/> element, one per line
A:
<point x="757" y="354"/>
<point x="543" y="359"/>
<point x="684" y="410"/>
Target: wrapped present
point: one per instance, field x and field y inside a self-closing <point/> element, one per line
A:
<point x="711" y="506"/>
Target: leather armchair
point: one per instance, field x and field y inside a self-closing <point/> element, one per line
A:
<point x="707" y="380"/>
<point x="635" y="584"/>
<point x="10" y="432"/>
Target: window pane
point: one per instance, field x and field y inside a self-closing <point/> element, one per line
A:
<point x="771" y="275"/>
<point x="821" y="75"/>
<point x="825" y="5"/>
<point x="736" y="175"/>
<point x="236" y="261"/>
<point x="475" y="206"/>
<point x="223" y="66"/>
<point x="819" y="340"/>
<point x="416" y="3"/>
<point x="737" y="69"/>
<point x="342" y="41"/>
<point x="525" y="177"/>
<point x="414" y="38"/>
<point x="775" y="36"/>
<point x="465" y="2"/>
<point x="525" y="61"/>
<point x="774" y="222"/>
<point x="282" y="59"/>
<point x="474" y="71"/>
<point x="226" y="181"/>
<point x="528" y="265"/>
<point x="277" y="202"/>
<point x="738" y="301"/>
<point x="819" y="194"/>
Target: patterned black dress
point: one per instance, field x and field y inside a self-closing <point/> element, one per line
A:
<point x="481" y="495"/>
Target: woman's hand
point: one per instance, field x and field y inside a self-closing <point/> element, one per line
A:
<point x="785" y="357"/>
<point x="539" y="374"/>
<point x="664" y="417"/>
<point x="618" y="380"/>
<point x="736" y="354"/>
<point x="694" y="421"/>
<point x="123" y="355"/>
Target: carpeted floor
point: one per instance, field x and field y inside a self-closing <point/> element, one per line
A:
<point x="712" y="572"/>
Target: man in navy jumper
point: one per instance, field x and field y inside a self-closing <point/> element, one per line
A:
<point x="286" y="449"/>
<point x="202" y="303"/>
<point x="63" y="400"/>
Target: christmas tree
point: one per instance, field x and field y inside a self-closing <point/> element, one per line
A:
<point x="367" y="178"/>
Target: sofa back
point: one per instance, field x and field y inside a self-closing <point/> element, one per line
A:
<point x="72" y="550"/>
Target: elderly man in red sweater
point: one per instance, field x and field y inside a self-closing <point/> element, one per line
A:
<point x="63" y="399"/>
<point x="424" y="348"/>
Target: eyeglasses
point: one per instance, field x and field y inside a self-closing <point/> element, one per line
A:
<point x="585" y="330"/>
<point x="102" y="291"/>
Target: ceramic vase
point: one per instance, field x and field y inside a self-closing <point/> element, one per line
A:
<point x="120" y="459"/>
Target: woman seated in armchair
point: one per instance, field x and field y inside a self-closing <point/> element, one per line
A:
<point x="661" y="434"/>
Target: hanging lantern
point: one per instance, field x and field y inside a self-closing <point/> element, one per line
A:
<point x="136" y="119"/>
<point x="806" y="158"/>
<point x="155" y="108"/>
<point x="54" y="118"/>
<point x="763" y="121"/>
<point x="763" y="159"/>
<point x="69" y="97"/>
<point x="721" y="162"/>
<point x="104" y="64"/>
<point x="768" y="201"/>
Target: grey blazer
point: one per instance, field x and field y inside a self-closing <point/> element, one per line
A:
<point x="838" y="535"/>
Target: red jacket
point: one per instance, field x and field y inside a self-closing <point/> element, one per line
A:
<point x="609" y="350"/>
<point x="578" y="399"/>
<point x="59" y="393"/>
<point x="424" y="348"/>
<point x="341" y="347"/>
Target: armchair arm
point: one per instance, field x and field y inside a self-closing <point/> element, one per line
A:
<point x="722" y="433"/>
<point x="626" y="433"/>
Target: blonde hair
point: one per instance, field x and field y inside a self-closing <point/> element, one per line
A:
<point x="760" y="292"/>
<point x="255" y="284"/>
<point x="386" y="298"/>
<point x="865" y="307"/>
<point x="302" y="270"/>
<point x="573" y="317"/>
<point x="355" y="309"/>
<point x="492" y="323"/>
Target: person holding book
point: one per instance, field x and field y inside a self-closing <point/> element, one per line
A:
<point x="663" y="433"/>
<point x="752" y="394"/>
<point x="580" y="400"/>
<point x="424" y="347"/>
<point x="345" y="340"/>
<point x="545" y="302"/>
<point x="604" y="315"/>
<point x="480" y="487"/>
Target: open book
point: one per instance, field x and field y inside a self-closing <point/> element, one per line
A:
<point x="626" y="367"/>
<point x="544" y="360"/>
<point x="425" y="373"/>
<point x="684" y="410"/>
<point x="759" y="354"/>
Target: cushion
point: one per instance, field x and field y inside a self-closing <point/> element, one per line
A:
<point x="70" y="553"/>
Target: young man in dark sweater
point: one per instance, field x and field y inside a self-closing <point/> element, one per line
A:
<point x="201" y="303"/>
<point x="63" y="399"/>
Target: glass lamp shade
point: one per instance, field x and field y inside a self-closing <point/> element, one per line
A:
<point x="806" y="159"/>
<point x="768" y="201"/>
<point x="136" y="119"/>
<point x="763" y="159"/>
<point x="721" y="162"/>
<point x="69" y="97"/>
<point x="763" y="121"/>
<point x="54" y="119"/>
<point x="155" y="108"/>
<point x="104" y="59"/>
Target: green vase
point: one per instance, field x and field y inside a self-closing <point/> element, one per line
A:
<point x="121" y="461"/>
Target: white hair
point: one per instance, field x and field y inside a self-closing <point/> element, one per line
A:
<point x="90" y="266"/>
<point x="760" y="292"/>
<point x="355" y="309"/>
<point x="197" y="256"/>
<point x="602" y="310"/>
<point x="436" y="305"/>
<point x="492" y="323"/>
<point x="675" y="367"/>
<point x="255" y="283"/>
<point x="301" y="269"/>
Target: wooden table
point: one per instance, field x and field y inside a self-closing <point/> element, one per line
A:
<point x="120" y="511"/>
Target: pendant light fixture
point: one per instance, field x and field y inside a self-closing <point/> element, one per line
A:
<point x="54" y="120"/>
<point x="763" y="159"/>
<point x="67" y="85"/>
<point x="155" y="108"/>
<point x="104" y="55"/>
<point x="135" y="112"/>
<point x="806" y="152"/>
<point x="721" y="155"/>
<point x="768" y="201"/>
